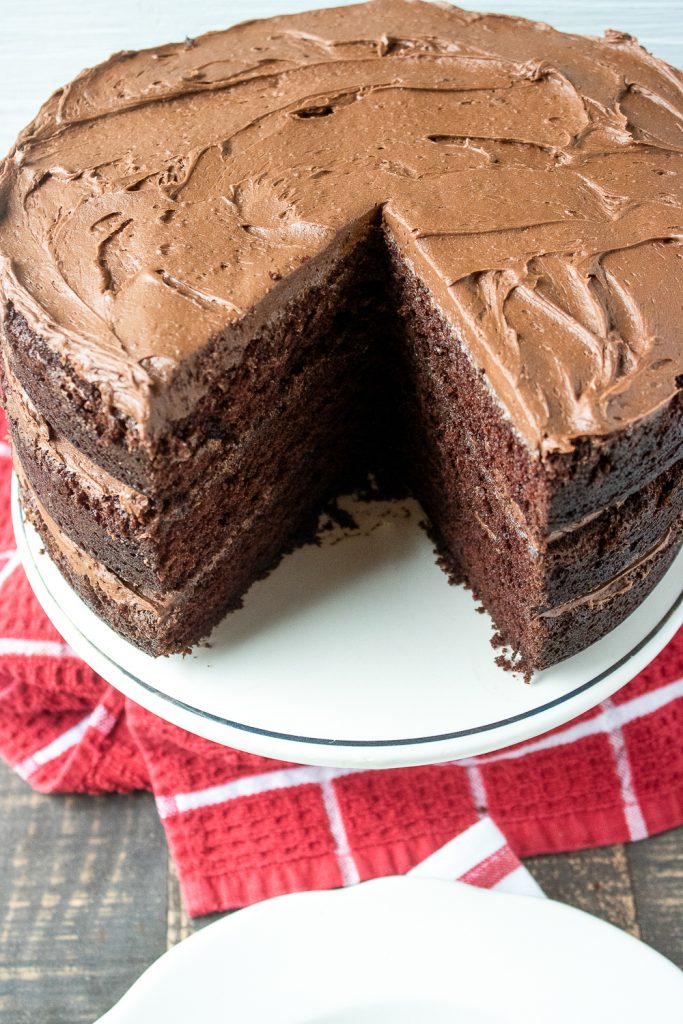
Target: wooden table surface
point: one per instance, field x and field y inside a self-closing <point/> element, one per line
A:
<point x="89" y="898"/>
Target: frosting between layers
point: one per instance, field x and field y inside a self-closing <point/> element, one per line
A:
<point x="36" y="431"/>
<point x="101" y="579"/>
<point x="114" y="588"/>
<point x="532" y="178"/>
<point x="161" y="605"/>
<point x="616" y="586"/>
<point x="101" y="484"/>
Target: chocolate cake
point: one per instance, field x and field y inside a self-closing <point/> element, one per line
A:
<point x="240" y="272"/>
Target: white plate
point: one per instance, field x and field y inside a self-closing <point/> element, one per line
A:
<point x="357" y="653"/>
<point x="406" y="951"/>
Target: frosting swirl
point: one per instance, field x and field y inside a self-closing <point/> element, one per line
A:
<point x="532" y="178"/>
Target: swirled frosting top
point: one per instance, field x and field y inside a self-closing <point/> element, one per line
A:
<point x="531" y="178"/>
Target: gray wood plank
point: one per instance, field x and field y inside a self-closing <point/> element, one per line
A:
<point x="597" y="881"/>
<point x="178" y="922"/>
<point x="656" y="867"/>
<point x="89" y="898"/>
<point x="83" y="894"/>
<point x="638" y="887"/>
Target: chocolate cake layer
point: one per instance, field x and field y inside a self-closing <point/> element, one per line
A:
<point x="240" y="272"/>
<point x="279" y="338"/>
<point x="573" y="563"/>
<point x="115" y="525"/>
<point x="174" y="622"/>
<point x="293" y="421"/>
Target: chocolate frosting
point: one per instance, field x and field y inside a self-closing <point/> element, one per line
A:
<point x="531" y="178"/>
<point x="36" y="432"/>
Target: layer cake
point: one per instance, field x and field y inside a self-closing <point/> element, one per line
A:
<point x="241" y="272"/>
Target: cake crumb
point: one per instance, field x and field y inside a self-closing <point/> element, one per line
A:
<point x="509" y="661"/>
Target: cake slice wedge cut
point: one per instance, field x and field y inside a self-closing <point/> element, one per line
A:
<point x="240" y="273"/>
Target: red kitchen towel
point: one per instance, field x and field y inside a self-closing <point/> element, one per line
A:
<point x="242" y="828"/>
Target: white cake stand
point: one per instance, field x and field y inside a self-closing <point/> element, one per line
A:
<point x="356" y="654"/>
